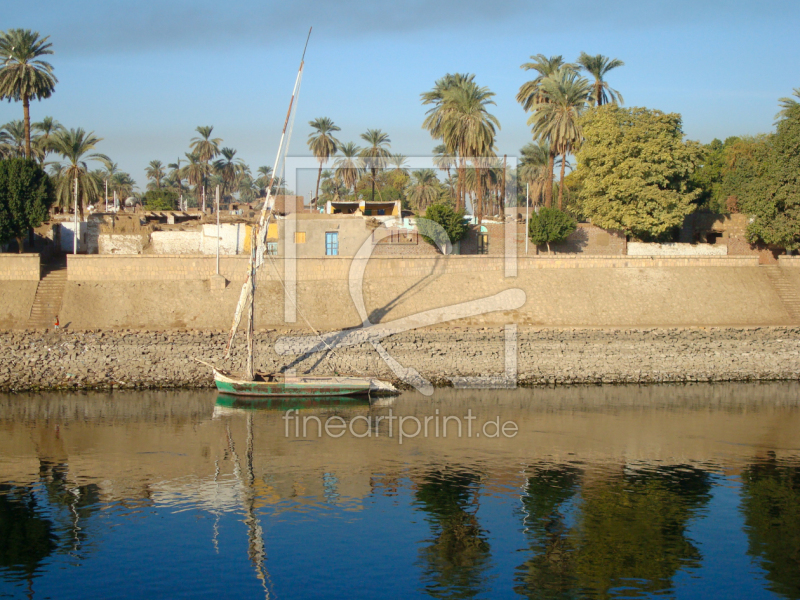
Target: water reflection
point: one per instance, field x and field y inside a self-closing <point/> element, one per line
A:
<point x="771" y="508"/>
<point x="598" y="496"/>
<point x="455" y="559"/>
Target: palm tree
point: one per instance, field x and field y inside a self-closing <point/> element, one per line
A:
<point x="468" y="128"/>
<point x="13" y="135"/>
<point x="533" y="167"/>
<point x="556" y="119"/>
<point x="74" y="145"/>
<point x="322" y="144"/>
<point x="24" y="76"/>
<point x="195" y="172"/>
<point x="787" y="104"/>
<point x="176" y="174"/>
<point x="264" y="177"/>
<point x="399" y="162"/>
<point x="442" y="159"/>
<point x="155" y="171"/>
<point x="375" y="155"/>
<point x="227" y="167"/>
<point x="424" y="188"/>
<point x="598" y="66"/>
<point x="206" y="148"/>
<point x="531" y="93"/>
<point x="47" y="128"/>
<point x="349" y="165"/>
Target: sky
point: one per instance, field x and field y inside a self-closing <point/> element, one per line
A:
<point x="143" y="75"/>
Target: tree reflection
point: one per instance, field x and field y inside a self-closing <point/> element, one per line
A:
<point x="771" y="508"/>
<point x="26" y="537"/>
<point x="628" y="534"/>
<point x="459" y="553"/>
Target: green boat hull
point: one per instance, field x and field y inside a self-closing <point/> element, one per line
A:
<point x="293" y="387"/>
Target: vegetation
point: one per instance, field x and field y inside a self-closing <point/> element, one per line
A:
<point x="160" y="199"/>
<point x="322" y="145"/>
<point x="24" y="75"/>
<point x="450" y="224"/>
<point x="550" y="225"/>
<point x="26" y="194"/>
<point x="635" y="169"/>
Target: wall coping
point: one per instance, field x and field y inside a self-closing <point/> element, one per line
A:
<point x="789" y="261"/>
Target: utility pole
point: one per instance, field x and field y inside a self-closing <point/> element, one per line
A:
<point x="204" y="198"/>
<point x="527" y="213"/>
<point x="106" y="195"/>
<point x="217" y="229"/>
<point x="77" y="225"/>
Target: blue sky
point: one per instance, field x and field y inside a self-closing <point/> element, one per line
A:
<point x="142" y="75"/>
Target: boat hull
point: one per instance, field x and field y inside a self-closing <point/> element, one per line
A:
<point x="293" y="386"/>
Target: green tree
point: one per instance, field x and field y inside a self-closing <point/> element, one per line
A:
<point x="451" y="224"/>
<point x="557" y="118"/>
<point x="322" y="144"/>
<point x="46" y="128"/>
<point x="375" y="155"/>
<point x="635" y="168"/>
<point x="12" y="135"/>
<point x="160" y="199"/>
<point x="205" y="148"/>
<point x="26" y="195"/>
<point x="598" y="67"/>
<point x="229" y="168"/>
<point x="773" y="199"/>
<point x="550" y="225"/>
<point x="23" y="75"/>
<point x="74" y="145"/>
<point x="787" y="104"/>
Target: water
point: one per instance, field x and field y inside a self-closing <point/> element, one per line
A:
<point x="604" y="492"/>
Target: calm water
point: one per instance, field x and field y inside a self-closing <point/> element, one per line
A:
<point x="604" y="492"/>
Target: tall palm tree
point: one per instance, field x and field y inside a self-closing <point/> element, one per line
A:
<point x="598" y="66"/>
<point x="556" y="119"/>
<point x="531" y="93"/>
<point x="75" y="145"/>
<point x="533" y="165"/>
<point x="787" y="104"/>
<point x="375" y="155"/>
<point x="46" y="128"/>
<point x="155" y="171"/>
<point x="264" y="177"/>
<point x="206" y="148"/>
<point x="468" y="128"/>
<point x="322" y="144"/>
<point x="23" y="75"/>
<point x="349" y="165"/>
<point x="442" y="159"/>
<point x="195" y="172"/>
<point x="399" y="162"/>
<point x="424" y="188"/>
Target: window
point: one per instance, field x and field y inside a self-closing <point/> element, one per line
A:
<point x="483" y="243"/>
<point x="332" y="243"/>
<point x="272" y="231"/>
<point x="272" y="248"/>
<point x="299" y="237"/>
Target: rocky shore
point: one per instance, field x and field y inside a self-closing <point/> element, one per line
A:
<point x="45" y="360"/>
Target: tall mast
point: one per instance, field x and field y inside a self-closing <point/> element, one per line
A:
<point x="259" y="236"/>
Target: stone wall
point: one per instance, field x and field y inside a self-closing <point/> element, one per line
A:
<point x="69" y="360"/>
<point x="587" y="240"/>
<point x="676" y="249"/>
<point x="19" y="267"/>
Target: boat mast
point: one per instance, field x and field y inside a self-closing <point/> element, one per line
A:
<point x="257" y="258"/>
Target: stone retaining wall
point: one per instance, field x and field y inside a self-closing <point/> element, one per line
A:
<point x="234" y="268"/>
<point x="19" y="267"/>
<point x="92" y="359"/>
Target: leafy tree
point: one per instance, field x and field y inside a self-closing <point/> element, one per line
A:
<point x="23" y="74"/>
<point x="773" y="199"/>
<point x="787" y="104"/>
<point x="322" y="144"/>
<point x="710" y="173"/>
<point x="26" y="195"/>
<point x="160" y="199"/>
<point x="598" y="66"/>
<point x="450" y="220"/>
<point x="550" y="225"/>
<point x="635" y="169"/>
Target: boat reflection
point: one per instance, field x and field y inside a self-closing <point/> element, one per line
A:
<point x="227" y="402"/>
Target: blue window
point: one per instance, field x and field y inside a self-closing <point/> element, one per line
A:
<point x="332" y="243"/>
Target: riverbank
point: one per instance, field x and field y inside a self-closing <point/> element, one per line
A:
<point x="129" y="359"/>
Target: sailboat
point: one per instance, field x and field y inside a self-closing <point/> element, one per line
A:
<point x="272" y="385"/>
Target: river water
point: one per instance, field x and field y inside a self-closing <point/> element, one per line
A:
<point x="581" y="492"/>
